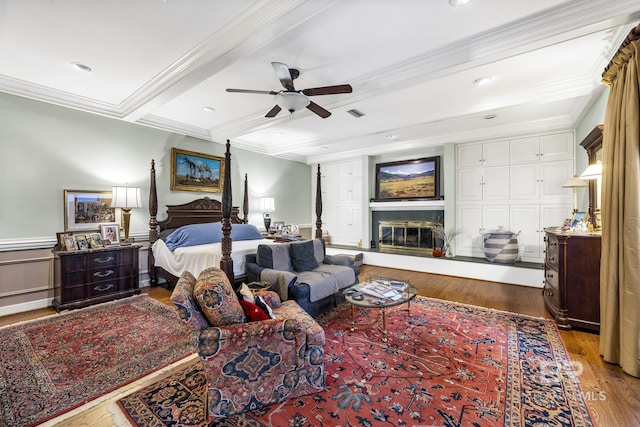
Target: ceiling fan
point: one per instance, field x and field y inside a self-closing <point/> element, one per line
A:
<point x="291" y="99"/>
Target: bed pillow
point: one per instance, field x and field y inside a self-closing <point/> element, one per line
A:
<point x="195" y="234"/>
<point x="245" y="232"/>
<point x="166" y="233"/>
<point x="253" y="312"/>
<point x="303" y="256"/>
<point x="216" y="298"/>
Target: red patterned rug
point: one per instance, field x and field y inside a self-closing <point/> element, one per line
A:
<point x="446" y="365"/>
<point x="52" y="365"/>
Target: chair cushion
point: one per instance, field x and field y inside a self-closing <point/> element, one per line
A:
<point x="216" y="298"/>
<point x="253" y="312"/>
<point x="303" y="256"/>
<point x="182" y="298"/>
<point x="319" y="250"/>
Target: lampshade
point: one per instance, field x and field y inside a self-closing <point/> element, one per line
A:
<point x="267" y="204"/>
<point x="593" y="171"/>
<point x="291" y="101"/>
<point x="125" y="197"/>
<point x="574" y="181"/>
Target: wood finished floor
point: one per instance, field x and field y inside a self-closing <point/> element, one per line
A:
<point x="612" y="395"/>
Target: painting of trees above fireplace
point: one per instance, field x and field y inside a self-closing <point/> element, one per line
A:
<point x="417" y="179"/>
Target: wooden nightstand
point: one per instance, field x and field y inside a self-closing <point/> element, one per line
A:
<point x="88" y="277"/>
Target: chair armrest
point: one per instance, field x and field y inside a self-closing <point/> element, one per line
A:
<point x="279" y="279"/>
<point x="339" y="260"/>
<point x="270" y="297"/>
<point x="343" y="260"/>
<point x="252" y="268"/>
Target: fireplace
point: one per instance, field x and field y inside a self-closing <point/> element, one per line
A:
<point x="406" y="235"/>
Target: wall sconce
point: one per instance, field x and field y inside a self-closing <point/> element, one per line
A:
<point x="267" y="205"/>
<point x="125" y="198"/>
<point x="575" y="182"/>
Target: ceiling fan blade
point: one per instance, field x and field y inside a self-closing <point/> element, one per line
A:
<point x="274" y="111"/>
<point x="328" y="90"/>
<point x="318" y="110"/>
<point x="261" y="92"/>
<point x="283" y="74"/>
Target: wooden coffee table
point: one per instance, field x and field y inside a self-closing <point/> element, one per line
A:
<point x="357" y="298"/>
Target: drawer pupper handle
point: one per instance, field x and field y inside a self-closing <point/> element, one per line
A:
<point x="103" y="287"/>
<point x="104" y="260"/>
<point x="103" y="274"/>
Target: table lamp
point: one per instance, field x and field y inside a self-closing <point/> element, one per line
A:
<point x="575" y="182"/>
<point x="267" y="205"/>
<point x="125" y="198"/>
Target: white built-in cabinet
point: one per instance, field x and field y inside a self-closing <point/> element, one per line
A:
<point x="342" y="201"/>
<point x="513" y="185"/>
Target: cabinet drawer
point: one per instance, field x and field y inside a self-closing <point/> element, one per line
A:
<point x="551" y="286"/>
<point x="75" y="293"/>
<point x="128" y="283"/>
<point x="103" y="288"/>
<point x="102" y="259"/>
<point x="552" y="253"/>
<point x="102" y="274"/>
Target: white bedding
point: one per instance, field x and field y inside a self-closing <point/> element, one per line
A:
<point x="197" y="258"/>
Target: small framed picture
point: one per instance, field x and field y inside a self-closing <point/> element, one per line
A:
<point x="295" y="230"/>
<point x="578" y="217"/>
<point x="110" y="233"/>
<point x="70" y="243"/>
<point x="61" y="240"/>
<point x="95" y="240"/>
<point x="83" y="244"/>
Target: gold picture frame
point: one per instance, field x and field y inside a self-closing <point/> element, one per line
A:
<point x="191" y="171"/>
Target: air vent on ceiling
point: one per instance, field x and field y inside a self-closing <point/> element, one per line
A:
<point x="356" y="113"/>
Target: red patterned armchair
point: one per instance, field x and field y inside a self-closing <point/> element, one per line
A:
<point x="249" y="364"/>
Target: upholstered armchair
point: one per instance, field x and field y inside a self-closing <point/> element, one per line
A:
<point x="249" y="364"/>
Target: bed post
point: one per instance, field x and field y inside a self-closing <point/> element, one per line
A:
<point x="245" y="201"/>
<point x="153" y="224"/>
<point x="226" y="263"/>
<point x="318" y="206"/>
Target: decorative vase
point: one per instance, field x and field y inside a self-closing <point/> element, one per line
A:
<point x="437" y="252"/>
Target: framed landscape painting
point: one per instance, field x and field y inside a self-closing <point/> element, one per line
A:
<point x="417" y="179"/>
<point x="85" y="210"/>
<point x="191" y="171"/>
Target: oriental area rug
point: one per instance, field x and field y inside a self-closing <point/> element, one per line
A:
<point x="52" y="365"/>
<point x="445" y="364"/>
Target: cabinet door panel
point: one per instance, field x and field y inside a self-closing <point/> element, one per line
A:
<point x="552" y="176"/>
<point x="496" y="183"/>
<point x="495" y="152"/>
<point x="469" y="155"/>
<point x="469" y="184"/>
<point x="558" y="146"/>
<point x="525" y="219"/>
<point x="495" y="217"/>
<point x="524" y="149"/>
<point x="524" y="183"/>
<point x="469" y="240"/>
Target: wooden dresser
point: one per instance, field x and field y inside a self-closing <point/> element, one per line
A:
<point x="88" y="277"/>
<point x="572" y="278"/>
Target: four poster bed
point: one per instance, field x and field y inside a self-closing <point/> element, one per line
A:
<point x="211" y="217"/>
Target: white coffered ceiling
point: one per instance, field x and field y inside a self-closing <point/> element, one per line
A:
<point x="412" y="65"/>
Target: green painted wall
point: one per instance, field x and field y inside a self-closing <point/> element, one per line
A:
<point x="45" y="149"/>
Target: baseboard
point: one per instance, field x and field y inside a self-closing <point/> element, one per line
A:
<point x="25" y="306"/>
<point x="451" y="267"/>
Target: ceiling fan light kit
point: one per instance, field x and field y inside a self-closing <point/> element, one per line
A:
<point x="291" y="99"/>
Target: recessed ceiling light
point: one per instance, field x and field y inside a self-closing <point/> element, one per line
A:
<point x="392" y="136"/>
<point x="490" y="116"/>
<point x="80" y="66"/>
<point x="279" y="133"/>
<point x="209" y="109"/>
<point x="456" y="3"/>
<point x="324" y="147"/>
<point x="481" y="81"/>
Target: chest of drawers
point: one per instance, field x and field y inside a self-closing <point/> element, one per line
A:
<point x="88" y="277"/>
<point x="572" y="279"/>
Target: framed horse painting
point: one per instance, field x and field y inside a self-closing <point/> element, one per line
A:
<point x="191" y="171"/>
